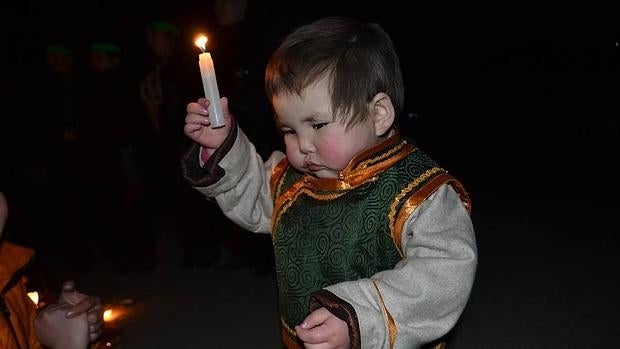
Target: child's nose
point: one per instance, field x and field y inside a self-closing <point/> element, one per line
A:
<point x="305" y="145"/>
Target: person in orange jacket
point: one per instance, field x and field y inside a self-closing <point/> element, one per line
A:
<point x="74" y="322"/>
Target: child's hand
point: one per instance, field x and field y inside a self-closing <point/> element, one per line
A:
<point x="321" y="329"/>
<point x="54" y="330"/>
<point x="197" y="124"/>
<point x="80" y="304"/>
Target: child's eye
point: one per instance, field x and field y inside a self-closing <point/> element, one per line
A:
<point x="288" y="131"/>
<point x="320" y="125"/>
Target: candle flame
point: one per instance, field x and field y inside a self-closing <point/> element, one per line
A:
<point x="113" y="314"/>
<point x="34" y="296"/>
<point x="108" y="315"/>
<point x="201" y="42"/>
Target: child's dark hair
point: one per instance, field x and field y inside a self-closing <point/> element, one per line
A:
<point x="358" y="58"/>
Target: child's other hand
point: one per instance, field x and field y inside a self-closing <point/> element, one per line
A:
<point x="80" y="304"/>
<point x="54" y="330"/>
<point x="197" y="124"/>
<point x="322" y="329"/>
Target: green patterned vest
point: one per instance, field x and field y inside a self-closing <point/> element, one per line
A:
<point x="327" y="231"/>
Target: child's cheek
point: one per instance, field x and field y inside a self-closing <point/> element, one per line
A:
<point x="295" y="158"/>
<point x="331" y="151"/>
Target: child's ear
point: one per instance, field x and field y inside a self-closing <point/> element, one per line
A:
<point x="382" y="113"/>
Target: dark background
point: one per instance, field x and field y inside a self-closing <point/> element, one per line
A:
<point x="518" y="99"/>
<point x="485" y="81"/>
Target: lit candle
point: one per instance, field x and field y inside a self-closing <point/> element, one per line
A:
<point x="209" y="83"/>
<point x="34" y="296"/>
<point x="108" y="315"/>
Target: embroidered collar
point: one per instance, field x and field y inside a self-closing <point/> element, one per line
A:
<point x="365" y="166"/>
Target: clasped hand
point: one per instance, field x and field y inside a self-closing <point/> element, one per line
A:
<point x="73" y="322"/>
<point x="323" y="330"/>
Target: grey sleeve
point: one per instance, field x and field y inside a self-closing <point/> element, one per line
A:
<point x="242" y="191"/>
<point x="423" y="296"/>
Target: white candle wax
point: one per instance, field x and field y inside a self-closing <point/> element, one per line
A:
<point x="209" y="83"/>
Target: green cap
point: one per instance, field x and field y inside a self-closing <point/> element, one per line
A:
<point x="105" y="47"/>
<point x="164" y="26"/>
<point x="59" y="49"/>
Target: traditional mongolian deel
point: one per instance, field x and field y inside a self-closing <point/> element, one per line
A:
<point x="324" y="232"/>
<point x="386" y="245"/>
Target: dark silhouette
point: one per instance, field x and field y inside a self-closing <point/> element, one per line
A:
<point x="110" y="135"/>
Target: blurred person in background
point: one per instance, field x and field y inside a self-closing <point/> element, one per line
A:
<point x="112" y="130"/>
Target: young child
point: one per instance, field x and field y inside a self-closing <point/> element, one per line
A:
<point x="374" y="246"/>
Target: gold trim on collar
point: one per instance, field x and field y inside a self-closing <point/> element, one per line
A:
<point x="368" y="156"/>
<point x="360" y="170"/>
<point x="365" y="166"/>
<point x="363" y="174"/>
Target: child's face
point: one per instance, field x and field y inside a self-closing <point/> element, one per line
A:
<point x="315" y="142"/>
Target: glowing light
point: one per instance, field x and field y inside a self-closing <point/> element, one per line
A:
<point x="113" y="313"/>
<point x="108" y="315"/>
<point x="34" y="297"/>
<point x="201" y="42"/>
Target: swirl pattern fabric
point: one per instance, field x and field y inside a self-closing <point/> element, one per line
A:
<point x="322" y="237"/>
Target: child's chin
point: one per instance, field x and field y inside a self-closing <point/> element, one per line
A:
<point x="323" y="174"/>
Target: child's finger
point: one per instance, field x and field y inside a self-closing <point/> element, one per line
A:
<point x="82" y="307"/>
<point x="315" y="318"/>
<point x="314" y="335"/>
<point x="197" y="119"/>
<point x="195" y="108"/>
<point x="189" y="128"/>
<point x="310" y="330"/>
